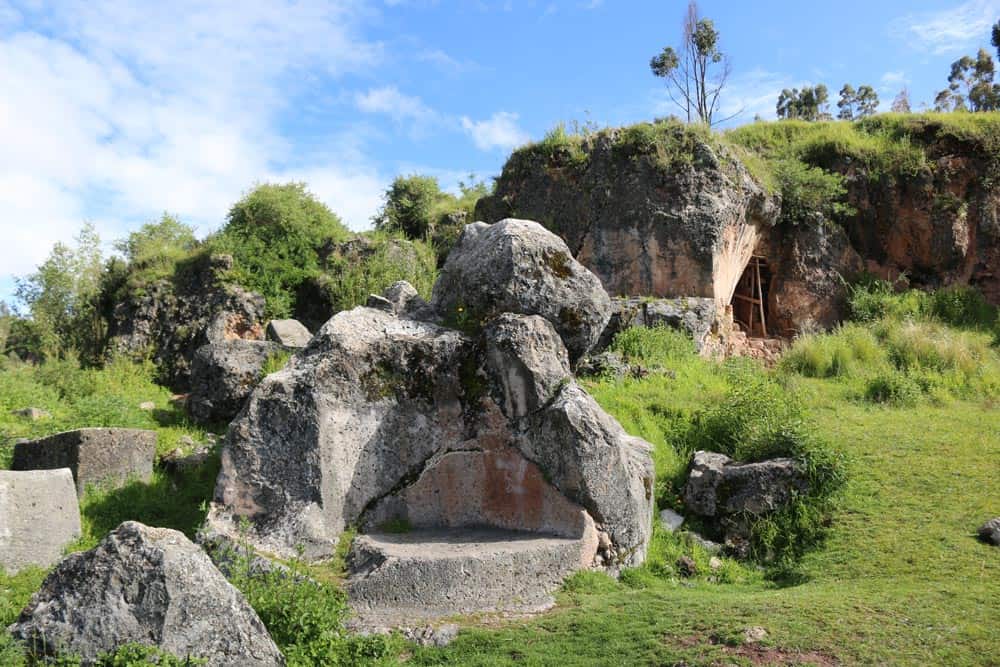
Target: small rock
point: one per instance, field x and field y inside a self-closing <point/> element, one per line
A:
<point x="147" y="406"/>
<point x="686" y="566"/>
<point x="603" y="541"/>
<point x="715" y="563"/>
<point x="34" y="414"/>
<point x="186" y="441"/>
<point x="176" y="461"/>
<point x="290" y="333"/>
<point x="380" y="303"/>
<point x="989" y="532"/>
<point x="430" y="636"/>
<point x="754" y="634"/>
<point x="708" y="545"/>
<point x="670" y="520"/>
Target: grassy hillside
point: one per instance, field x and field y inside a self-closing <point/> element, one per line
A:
<point x="892" y="574"/>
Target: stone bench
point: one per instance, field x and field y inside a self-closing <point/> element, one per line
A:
<point x="39" y="516"/>
<point x="98" y="456"/>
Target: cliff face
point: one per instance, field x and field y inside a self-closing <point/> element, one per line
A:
<point x="644" y="222"/>
<point x="682" y="217"/>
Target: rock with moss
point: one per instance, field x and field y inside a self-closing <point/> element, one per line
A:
<point x="149" y="586"/>
<point x="386" y="421"/>
<point x="223" y="375"/>
<point x="517" y="266"/>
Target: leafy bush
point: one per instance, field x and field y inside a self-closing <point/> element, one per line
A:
<point x="807" y="191"/>
<point x="274" y="234"/>
<point x="304" y="617"/>
<point x="892" y="387"/>
<point x="656" y="345"/>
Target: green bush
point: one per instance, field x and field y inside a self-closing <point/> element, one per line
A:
<point x="892" y="387"/>
<point x="274" y="234"/>
<point x="844" y="352"/>
<point x="304" y="617"/>
<point x="654" y="346"/>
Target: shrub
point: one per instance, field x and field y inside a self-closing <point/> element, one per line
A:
<point x="410" y="206"/>
<point x="845" y="352"/>
<point x="894" y="388"/>
<point x="274" y="234"/>
<point x="654" y="346"/>
<point x="963" y="306"/>
<point x="304" y="617"/>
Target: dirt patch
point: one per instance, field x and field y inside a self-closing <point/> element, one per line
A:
<point x="771" y="655"/>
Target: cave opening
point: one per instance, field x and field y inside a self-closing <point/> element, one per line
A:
<point x="750" y="298"/>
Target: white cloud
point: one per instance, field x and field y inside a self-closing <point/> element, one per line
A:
<point x="746" y="95"/>
<point x="949" y="30"/>
<point x="499" y="131"/>
<point x="163" y="106"/>
<point x="398" y="106"/>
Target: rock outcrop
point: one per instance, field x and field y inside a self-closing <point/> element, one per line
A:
<point x="693" y="315"/>
<point x="104" y="457"/>
<point x="39" y="517"/>
<point x="384" y="420"/>
<point x="660" y="210"/>
<point x="726" y="493"/>
<point x="223" y="375"/>
<point x="150" y="586"/>
<point x="171" y="320"/>
<point x="516" y="266"/>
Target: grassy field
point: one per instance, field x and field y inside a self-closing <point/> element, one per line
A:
<point x="899" y="579"/>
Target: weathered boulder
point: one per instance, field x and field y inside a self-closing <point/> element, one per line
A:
<point x="989" y="532"/>
<point x="290" y="333"/>
<point x="172" y="319"/>
<point x="692" y="315"/>
<point x="518" y="266"/>
<point x="39" y="517"/>
<point x="387" y="421"/>
<point x="105" y="457"/>
<point x="718" y="486"/>
<point x="146" y="585"/>
<point x="223" y="375"/>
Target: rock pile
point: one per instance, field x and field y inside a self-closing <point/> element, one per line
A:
<point x="447" y="446"/>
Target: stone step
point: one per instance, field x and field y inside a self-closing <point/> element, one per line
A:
<point x="402" y="578"/>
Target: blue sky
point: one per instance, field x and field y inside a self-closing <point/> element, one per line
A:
<point x="114" y="112"/>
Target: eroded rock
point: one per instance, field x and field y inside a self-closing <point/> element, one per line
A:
<point x="146" y="585"/>
<point x="718" y="486"/>
<point x="223" y="375"/>
<point x="104" y="457"/>
<point x="517" y="266"/>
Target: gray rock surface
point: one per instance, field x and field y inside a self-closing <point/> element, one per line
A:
<point x="717" y="486"/>
<point x="517" y="266"/>
<point x="989" y="532"/>
<point x="692" y="315"/>
<point x="426" y="574"/>
<point x="223" y="375"/>
<point x="147" y="585"/>
<point x="106" y="457"/>
<point x="172" y="319"/>
<point x="290" y="333"/>
<point x="670" y="520"/>
<point x="39" y="517"/>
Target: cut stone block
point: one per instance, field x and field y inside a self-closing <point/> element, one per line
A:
<point x="425" y="574"/>
<point x="39" y="516"/>
<point x="107" y="457"/>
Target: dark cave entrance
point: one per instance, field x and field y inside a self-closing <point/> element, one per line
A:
<point x="750" y="298"/>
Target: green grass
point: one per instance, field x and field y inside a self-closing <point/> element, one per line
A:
<point x="899" y="577"/>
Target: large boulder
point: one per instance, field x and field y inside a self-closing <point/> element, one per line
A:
<point x="144" y="585"/>
<point x="518" y="266"/>
<point x="104" y="457"/>
<point x="39" y="517"/>
<point x="385" y="421"/>
<point x="223" y="375"/>
<point x="290" y="333"/>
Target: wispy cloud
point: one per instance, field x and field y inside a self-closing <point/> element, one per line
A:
<point x="948" y="30"/>
<point x="163" y="106"/>
<point x="499" y="131"/>
<point x="400" y="107"/>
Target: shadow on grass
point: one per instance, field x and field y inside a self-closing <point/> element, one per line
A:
<point x="168" y="501"/>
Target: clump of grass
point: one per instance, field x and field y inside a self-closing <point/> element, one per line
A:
<point x="275" y="362"/>
<point x="892" y="387"/>
<point x="843" y="353"/>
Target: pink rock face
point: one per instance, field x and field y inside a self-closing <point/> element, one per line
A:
<point x="496" y="488"/>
